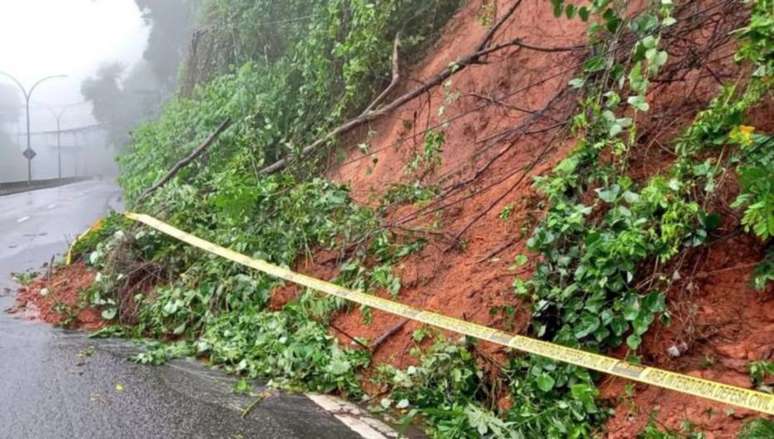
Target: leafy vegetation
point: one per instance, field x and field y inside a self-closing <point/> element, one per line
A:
<point x="283" y="90"/>
<point x="759" y="371"/>
<point x="757" y="196"/>
<point x="328" y="69"/>
<point x="99" y="232"/>
<point x="654" y="431"/>
<point x="445" y="389"/>
<point x="586" y="289"/>
<point x="757" y="429"/>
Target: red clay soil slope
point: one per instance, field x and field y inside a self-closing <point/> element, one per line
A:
<point x="503" y="122"/>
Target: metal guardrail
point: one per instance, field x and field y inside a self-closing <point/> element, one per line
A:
<point x="15" y="187"/>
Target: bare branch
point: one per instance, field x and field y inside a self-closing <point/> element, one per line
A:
<point x="390" y="332"/>
<point x="438" y="79"/>
<point x="199" y="150"/>
<point x="395" y="77"/>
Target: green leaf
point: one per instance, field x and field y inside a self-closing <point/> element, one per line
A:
<point x="545" y="382"/>
<point x="649" y="42"/>
<point x="339" y="366"/>
<point x="109" y="313"/>
<point x="642" y="322"/>
<point x="612" y="99"/>
<point x="631" y="308"/>
<point x="636" y="81"/>
<point x="588" y="324"/>
<point x="618" y="325"/>
<point x="610" y="194"/>
<point x="520" y="287"/>
<point x="654" y="302"/>
<point x="558" y="6"/>
<point x="612" y="21"/>
<point x="631" y="197"/>
<point x="638" y="102"/>
<point x="586" y="394"/>
<point x="570" y="11"/>
<point x="660" y="58"/>
<point x="594" y="64"/>
<point x="576" y="82"/>
<point x="583" y="13"/>
<point x="710" y="221"/>
<point x="633" y="341"/>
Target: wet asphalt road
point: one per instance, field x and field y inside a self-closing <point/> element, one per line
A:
<point x="53" y="386"/>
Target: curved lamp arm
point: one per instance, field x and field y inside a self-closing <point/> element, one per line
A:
<point x="28" y="94"/>
<point x="18" y="84"/>
<point x="41" y="80"/>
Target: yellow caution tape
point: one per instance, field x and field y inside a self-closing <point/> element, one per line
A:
<point x="724" y="393"/>
<point x="69" y="257"/>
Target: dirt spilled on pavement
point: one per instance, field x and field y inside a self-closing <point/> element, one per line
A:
<point x="57" y="298"/>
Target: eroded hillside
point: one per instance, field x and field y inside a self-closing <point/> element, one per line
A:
<point x="595" y="174"/>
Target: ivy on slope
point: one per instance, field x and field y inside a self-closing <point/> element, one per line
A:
<point x="601" y="227"/>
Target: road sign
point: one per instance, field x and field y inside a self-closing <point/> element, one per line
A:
<point x="29" y="154"/>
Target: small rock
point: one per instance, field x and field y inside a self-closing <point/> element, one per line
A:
<point x="678" y="349"/>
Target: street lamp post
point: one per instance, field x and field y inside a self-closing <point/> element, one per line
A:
<point x="58" y="117"/>
<point x="29" y="153"/>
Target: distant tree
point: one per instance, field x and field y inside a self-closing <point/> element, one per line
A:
<point x="106" y="96"/>
<point x="122" y="99"/>
<point x="170" y="24"/>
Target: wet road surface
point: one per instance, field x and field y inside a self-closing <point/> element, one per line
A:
<point x="56" y="383"/>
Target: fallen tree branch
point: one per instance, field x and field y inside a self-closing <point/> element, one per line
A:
<point x="493" y="30"/>
<point x="199" y="150"/>
<point x="435" y="81"/>
<point x="390" y="332"/>
<point x="353" y="339"/>
<point x="497" y="251"/>
<point x="482" y="50"/>
<point x="395" y="77"/>
<point x="704" y="274"/>
<point x="502" y="196"/>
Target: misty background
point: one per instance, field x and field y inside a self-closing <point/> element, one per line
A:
<point x="121" y="58"/>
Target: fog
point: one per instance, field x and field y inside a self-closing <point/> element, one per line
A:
<point x="114" y="79"/>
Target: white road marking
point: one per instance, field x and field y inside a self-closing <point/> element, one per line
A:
<point x="353" y="417"/>
<point x="22" y="219"/>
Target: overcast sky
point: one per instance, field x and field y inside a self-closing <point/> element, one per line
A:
<point x="73" y="37"/>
